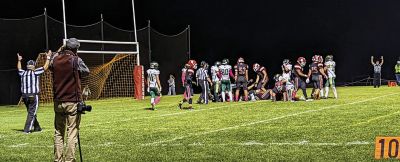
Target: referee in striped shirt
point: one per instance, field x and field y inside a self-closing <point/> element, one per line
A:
<point x="203" y="80"/>
<point x="30" y="80"/>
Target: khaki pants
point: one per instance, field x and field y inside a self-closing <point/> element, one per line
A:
<point x="67" y="120"/>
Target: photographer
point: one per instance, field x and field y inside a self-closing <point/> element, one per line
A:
<point x="30" y="79"/>
<point x="67" y="69"/>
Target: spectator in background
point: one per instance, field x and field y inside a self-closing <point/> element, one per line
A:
<point x="377" y="71"/>
<point x="171" y="85"/>
<point x="397" y="71"/>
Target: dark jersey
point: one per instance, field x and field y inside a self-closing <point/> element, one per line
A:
<point x="279" y="87"/>
<point x="241" y="69"/>
<point x="314" y="67"/>
<point x="260" y="72"/>
<point x="297" y="67"/>
<point x="189" y="76"/>
<point x="264" y="95"/>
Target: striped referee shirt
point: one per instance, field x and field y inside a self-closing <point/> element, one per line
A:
<point x="30" y="80"/>
<point x="201" y="74"/>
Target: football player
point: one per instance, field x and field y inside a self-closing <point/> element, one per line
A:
<point x="321" y="77"/>
<point x="260" y="94"/>
<point x="279" y="91"/>
<point x="226" y="73"/>
<point x="299" y="76"/>
<point x="314" y="71"/>
<point x="262" y="77"/>
<point x="241" y="78"/>
<point x="216" y="79"/>
<point x="330" y="69"/>
<point x="203" y="80"/>
<point x="287" y="78"/>
<point x="153" y="83"/>
<point x="187" y="81"/>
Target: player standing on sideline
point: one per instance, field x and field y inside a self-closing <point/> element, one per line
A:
<point x="153" y="83"/>
<point x="287" y="78"/>
<point x="262" y="77"/>
<point x="299" y="75"/>
<point x="216" y="79"/>
<point x="314" y="71"/>
<point x="330" y="69"/>
<point x="397" y="71"/>
<point x="241" y="78"/>
<point x="30" y="80"/>
<point x="377" y="71"/>
<point x="203" y="79"/>
<point x="187" y="81"/>
<point x="226" y="73"/>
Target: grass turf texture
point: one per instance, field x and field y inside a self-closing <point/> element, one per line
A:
<point x="125" y="130"/>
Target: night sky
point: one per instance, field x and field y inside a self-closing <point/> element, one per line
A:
<point x="259" y="30"/>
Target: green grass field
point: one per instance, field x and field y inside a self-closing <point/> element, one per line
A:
<point x="125" y="130"/>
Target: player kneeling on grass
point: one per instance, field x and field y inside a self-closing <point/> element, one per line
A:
<point x="279" y="91"/>
<point x="314" y="72"/>
<point x="153" y="84"/>
<point x="187" y="81"/>
<point x="330" y="69"/>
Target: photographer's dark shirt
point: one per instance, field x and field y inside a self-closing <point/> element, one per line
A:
<point x="66" y="68"/>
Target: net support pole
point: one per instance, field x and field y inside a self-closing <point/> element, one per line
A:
<point x="134" y="29"/>
<point x="65" y="22"/>
<point x="189" y="51"/>
<point x="149" y="37"/>
<point x="46" y="28"/>
<point x="102" y="34"/>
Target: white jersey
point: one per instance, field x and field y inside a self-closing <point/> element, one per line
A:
<point x="330" y="65"/>
<point x="225" y="69"/>
<point x="152" y="77"/>
<point x="214" y="72"/>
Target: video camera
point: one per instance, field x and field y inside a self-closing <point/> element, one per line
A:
<point x="82" y="107"/>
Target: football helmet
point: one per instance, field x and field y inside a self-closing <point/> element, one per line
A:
<point x="329" y="58"/>
<point x="286" y="61"/>
<point x="302" y="61"/>
<point x="240" y="60"/>
<point x="278" y="77"/>
<point x="315" y="58"/>
<point x="192" y="64"/>
<point x="320" y="59"/>
<point x="256" y="67"/>
<point x="153" y="65"/>
<point x="217" y="63"/>
<point x="225" y="61"/>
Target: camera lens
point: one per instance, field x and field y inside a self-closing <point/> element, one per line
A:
<point x="88" y="108"/>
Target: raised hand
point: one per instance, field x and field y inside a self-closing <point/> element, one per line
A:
<point x="19" y="57"/>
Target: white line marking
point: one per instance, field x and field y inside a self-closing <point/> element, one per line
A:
<point x="265" y="121"/>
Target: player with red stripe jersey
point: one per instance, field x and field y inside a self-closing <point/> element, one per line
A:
<point x="262" y="77"/>
<point x="299" y="76"/>
<point x="315" y="70"/>
<point x="241" y="78"/>
<point x="188" y="74"/>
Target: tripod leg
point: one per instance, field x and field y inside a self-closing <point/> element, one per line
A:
<point x="80" y="149"/>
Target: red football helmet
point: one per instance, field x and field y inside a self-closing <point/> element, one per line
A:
<point x="302" y="61"/>
<point x="315" y="58"/>
<point x="192" y="64"/>
<point x="256" y="67"/>
<point x="240" y="60"/>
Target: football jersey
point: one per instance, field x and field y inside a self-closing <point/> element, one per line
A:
<point x="152" y="77"/>
<point x="330" y="66"/>
<point x="224" y="69"/>
<point x="241" y="69"/>
<point x="260" y="72"/>
<point x="314" y="67"/>
<point x="297" y="67"/>
<point x="189" y="75"/>
<point x="214" y="73"/>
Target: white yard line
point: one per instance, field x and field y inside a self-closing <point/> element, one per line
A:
<point x="265" y="121"/>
